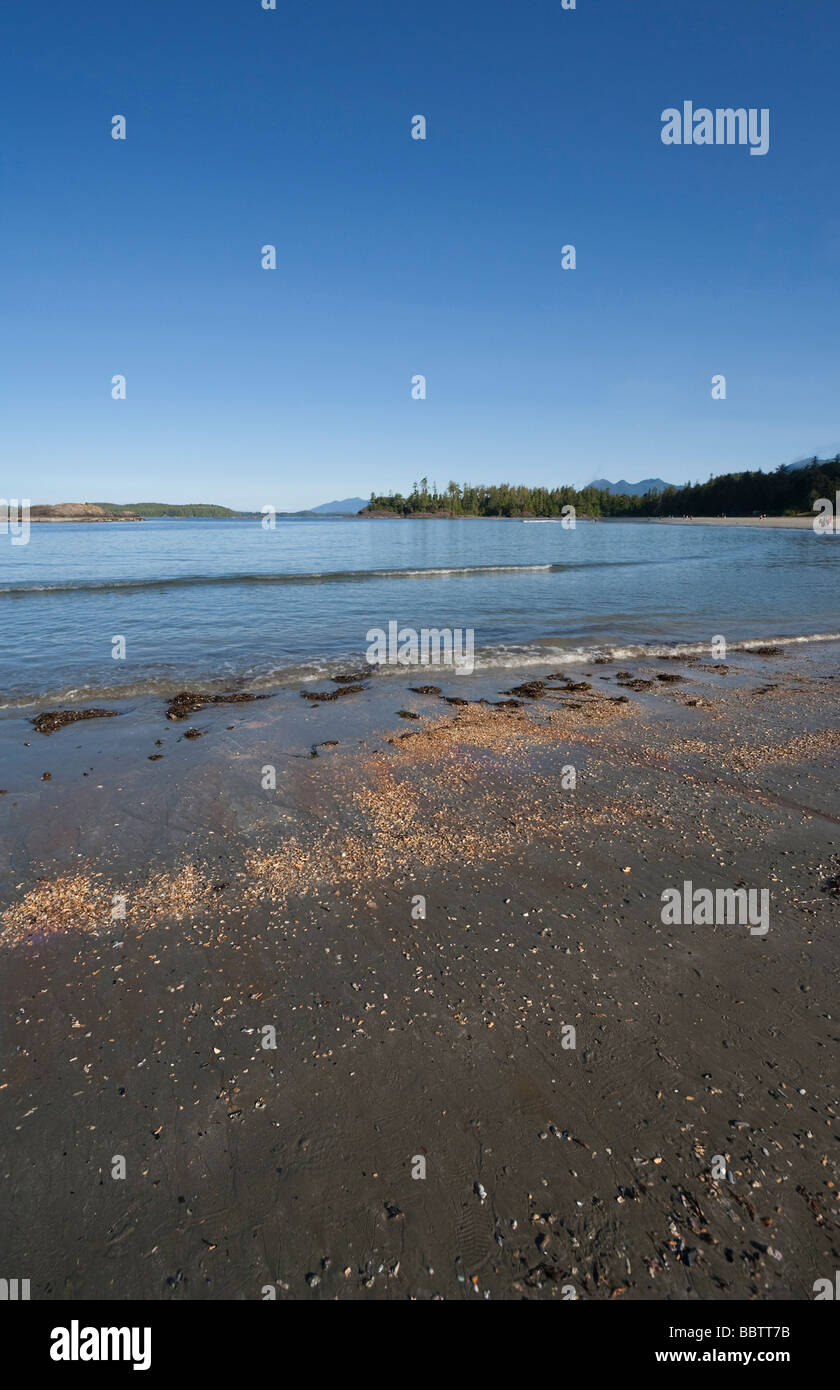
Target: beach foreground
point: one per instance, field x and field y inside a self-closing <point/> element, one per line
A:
<point x="408" y="1023"/>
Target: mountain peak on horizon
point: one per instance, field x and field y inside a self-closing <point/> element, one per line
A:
<point x="824" y="455"/>
<point x="624" y="489"/>
<point x="350" y="505"/>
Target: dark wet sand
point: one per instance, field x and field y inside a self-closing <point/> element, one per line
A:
<point x="547" y="1168"/>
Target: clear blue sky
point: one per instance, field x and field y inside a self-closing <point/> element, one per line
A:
<point x="398" y="257"/>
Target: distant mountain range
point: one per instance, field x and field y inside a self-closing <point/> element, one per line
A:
<point x="805" y="463"/>
<point x="350" y="505"/>
<point x="624" y="489"/>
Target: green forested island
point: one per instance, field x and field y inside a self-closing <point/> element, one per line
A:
<point x="168" y="509"/>
<point x="786" y="492"/>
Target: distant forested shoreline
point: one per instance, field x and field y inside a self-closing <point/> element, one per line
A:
<point x="785" y="492"/>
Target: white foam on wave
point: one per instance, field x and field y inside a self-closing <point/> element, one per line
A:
<point x="487" y="659"/>
<point x="537" y="654"/>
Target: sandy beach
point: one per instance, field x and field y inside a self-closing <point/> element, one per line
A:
<point x="372" y="998"/>
<point x="782" y="523"/>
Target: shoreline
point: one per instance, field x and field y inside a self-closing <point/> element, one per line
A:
<point x="794" y="523"/>
<point x="787" y="523"/>
<point x="534" y="656"/>
<point x="440" y="1036"/>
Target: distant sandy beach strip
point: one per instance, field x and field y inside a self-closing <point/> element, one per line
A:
<point x="785" y="523"/>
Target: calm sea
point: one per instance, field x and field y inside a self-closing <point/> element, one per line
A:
<point x="230" y="603"/>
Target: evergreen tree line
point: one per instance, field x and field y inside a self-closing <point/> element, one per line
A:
<point x="786" y="492"/>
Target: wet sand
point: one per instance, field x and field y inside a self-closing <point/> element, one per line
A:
<point x="406" y="1041"/>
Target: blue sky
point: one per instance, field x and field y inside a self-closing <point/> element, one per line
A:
<point x="397" y="257"/>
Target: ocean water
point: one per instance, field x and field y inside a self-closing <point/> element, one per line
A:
<point x="227" y="603"/>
